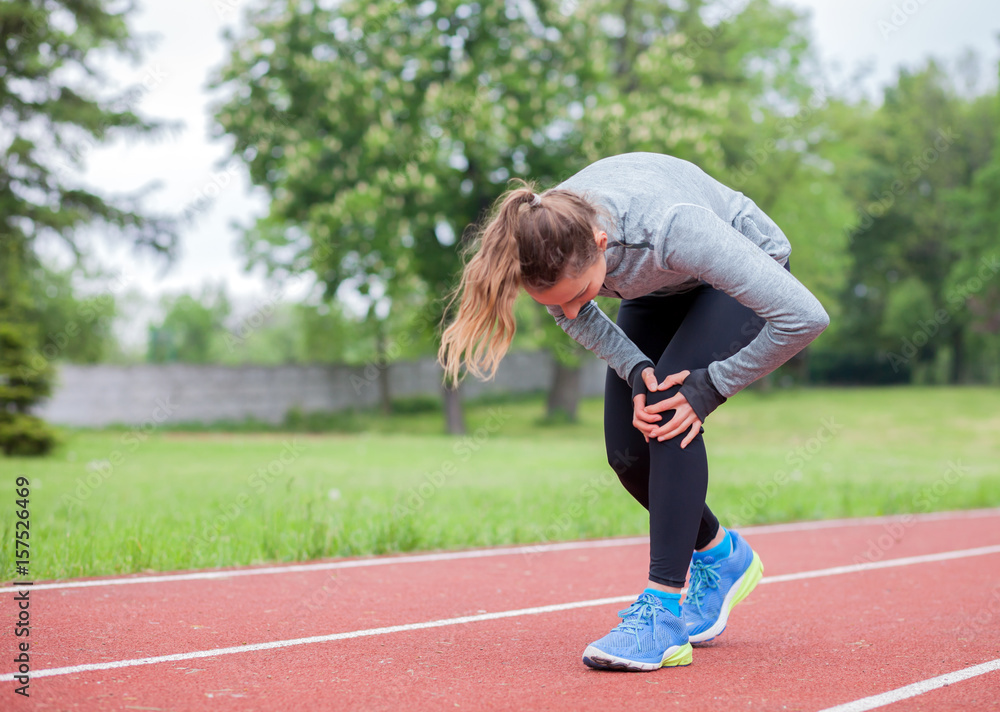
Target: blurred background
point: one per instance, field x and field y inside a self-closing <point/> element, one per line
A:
<point x="227" y="228"/>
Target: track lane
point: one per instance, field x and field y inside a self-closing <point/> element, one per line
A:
<point x="869" y="639"/>
<point x="238" y="611"/>
<point x="78" y="626"/>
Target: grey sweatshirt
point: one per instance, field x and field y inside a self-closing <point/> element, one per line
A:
<point x="676" y="228"/>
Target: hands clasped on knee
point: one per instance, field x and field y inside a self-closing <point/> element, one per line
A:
<point x="646" y="417"/>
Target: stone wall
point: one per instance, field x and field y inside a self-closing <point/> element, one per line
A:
<point x="95" y="396"/>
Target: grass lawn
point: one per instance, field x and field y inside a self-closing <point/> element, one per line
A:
<point x="117" y="501"/>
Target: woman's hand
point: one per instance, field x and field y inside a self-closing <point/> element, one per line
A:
<point x="684" y="416"/>
<point x="643" y="421"/>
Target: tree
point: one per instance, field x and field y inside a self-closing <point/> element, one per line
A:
<point x="726" y="88"/>
<point x="51" y="112"/>
<point x="22" y="383"/>
<point x="924" y="145"/>
<point x="74" y="328"/>
<point x="973" y="280"/>
<point x="382" y="131"/>
<point x="192" y="328"/>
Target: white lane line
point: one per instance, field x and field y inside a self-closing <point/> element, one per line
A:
<point x="350" y="564"/>
<point x="963" y="553"/>
<point x="887" y="564"/>
<point x="505" y="551"/>
<point x="316" y="639"/>
<point x="870" y="521"/>
<point x="917" y="688"/>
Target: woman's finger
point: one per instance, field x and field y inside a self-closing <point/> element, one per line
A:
<point x="639" y="414"/>
<point x="692" y="434"/>
<point x="642" y="428"/>
<point x="676" y="425"/>
<point x="666" y="427"/>
<point x="667" y="404"/>
<point x="666" y="432"/>
<point x="648" y="417"/>
<point x="674" y="379"/>
<point x="673" y="432"/>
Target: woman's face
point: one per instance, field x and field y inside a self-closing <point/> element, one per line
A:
<point x="572" y="292"/>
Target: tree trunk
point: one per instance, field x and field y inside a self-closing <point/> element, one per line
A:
<point x="453" y="415"/>
<point x="564" y="395"/>
<point x="799" y="366"/>
<point x="957" y="355"/>
<point x="382" y="363"/>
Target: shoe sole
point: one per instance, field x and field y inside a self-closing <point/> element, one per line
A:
<point x="740" y="590"/>
<point x="676" y="656"/>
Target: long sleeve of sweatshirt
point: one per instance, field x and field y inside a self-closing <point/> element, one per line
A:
<point x="678" y="228"/>
<point x="593" y="330"/>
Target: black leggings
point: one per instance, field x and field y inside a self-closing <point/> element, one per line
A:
<point x="677" y="332"/>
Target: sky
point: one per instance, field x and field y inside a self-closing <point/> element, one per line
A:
<point x="189" y="163"/>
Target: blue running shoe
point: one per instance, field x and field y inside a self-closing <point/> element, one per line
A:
<point x="716" y="586"/>
<point x="648" y="638"/>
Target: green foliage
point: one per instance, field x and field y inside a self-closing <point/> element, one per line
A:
<point x="23" y="382"/>
<point x="924" y="236"/>
<point x="23" y="435"/>
<point x="271" y="335"/>
<point x="973" y="277"/>
<point x="76" y="329"/>
<point x="379" y="131"/>
<point x="413" y="405"/>
<point x="346" y="421"/>
<point x="51" y="115"/>
<point x="204" y="327"/>
<point x="25" y="377"/>
<point x="383" y="130"/>
<point x="354" y="420"/>
<point x="191" y="327"/>
<point x="328" y="335"/>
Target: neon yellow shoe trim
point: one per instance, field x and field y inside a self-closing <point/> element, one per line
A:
<point x="681" y="656"/>
<point x="750" y="579"/>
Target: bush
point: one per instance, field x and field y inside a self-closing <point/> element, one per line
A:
<point x="346" y="421"/>
<point x="23" y="435"/>
<point x="25" y="378"/>
<point x="414" y="405"/>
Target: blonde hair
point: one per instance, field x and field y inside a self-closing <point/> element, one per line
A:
<point x="520" y="244"/>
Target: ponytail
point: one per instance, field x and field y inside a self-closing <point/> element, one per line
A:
<point x="527" y="241"/>
<point x="484" y="327"/>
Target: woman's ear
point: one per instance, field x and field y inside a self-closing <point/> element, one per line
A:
<point x="601" y="238"/>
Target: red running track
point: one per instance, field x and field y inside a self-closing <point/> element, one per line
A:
<point x="920" y="598"/>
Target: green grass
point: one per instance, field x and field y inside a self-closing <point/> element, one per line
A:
<point x="179" y="500"/>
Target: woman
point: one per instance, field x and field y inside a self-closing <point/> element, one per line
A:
<point x="709" y="305"/>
